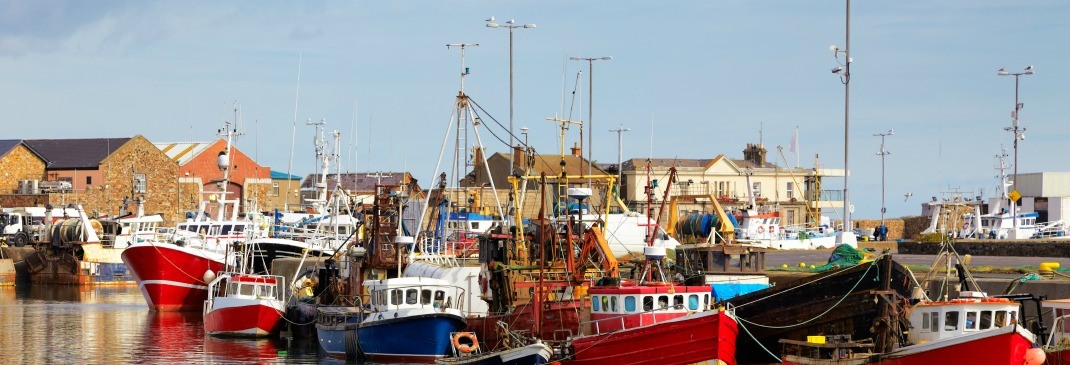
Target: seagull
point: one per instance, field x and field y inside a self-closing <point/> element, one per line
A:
<point x="907" y="196"/>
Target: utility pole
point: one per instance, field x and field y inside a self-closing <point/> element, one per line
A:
<point x="620" y="150"/>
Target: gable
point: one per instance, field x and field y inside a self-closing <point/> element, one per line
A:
<point x="723" y="166"/>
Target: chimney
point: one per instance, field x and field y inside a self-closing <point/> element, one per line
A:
<point x="576" y="151"/>
<point x="755" y="153"/>
<point x="520" y="157"/>
<point x="477" y="156"/>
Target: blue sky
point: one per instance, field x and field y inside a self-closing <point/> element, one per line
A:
<point x="707" y="73"/>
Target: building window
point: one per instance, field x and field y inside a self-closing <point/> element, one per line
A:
<point x="791" y="217"/>
<point x="791" y="190"/>
<point x="89" y="180"/>
<point x="756" y="189"/>
<point x="139" y="183"/>
<point x="275" y="189"/>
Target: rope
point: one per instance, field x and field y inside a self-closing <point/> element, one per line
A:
<point x="853" y="287"/>
<point x="740" y="322"/>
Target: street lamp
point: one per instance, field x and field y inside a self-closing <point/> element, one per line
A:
<point x="524" y="131"/>
<point x="511" y="24"/>
<point x="620" y="161"/>
<point x="883" y="153"/>
<point x="844" y="71"/>
<point x="590" y="102"/>
<point x="1019" y="134"/>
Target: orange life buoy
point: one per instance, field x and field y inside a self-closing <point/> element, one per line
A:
<point x="761" y="229"/>
<point x="464" y="347"/>
<point x="772" y="229"/>
<point x="482" y="283"/>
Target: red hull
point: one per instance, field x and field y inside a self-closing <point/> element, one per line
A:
<point x="687" y="340"/>
<point x="171" y="278"/>
<point x="245" y="321"/>
<point x="1061" y="357"/>
<point x="1000" y="347"/>
<point x="559" y="318"/>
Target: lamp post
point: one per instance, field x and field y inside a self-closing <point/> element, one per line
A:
<point x="511" y="24"/>
<point x="883" y="152"/>
<point x="590" y="102"/>
<point x="844" y="71"/>
<point x="524" y="131"/>
<point x="1019" y="134"/>
<point x="620" y="151"/>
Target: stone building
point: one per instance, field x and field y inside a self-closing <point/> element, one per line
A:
<point x="198" y="168"/>
<point x="283" y="192"/>
<point x="795" y="192"/>
<point x="102" y="173"/>
<point x="18" y="163"/>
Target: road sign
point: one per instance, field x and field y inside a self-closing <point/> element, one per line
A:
<point x="1014" y="196"/>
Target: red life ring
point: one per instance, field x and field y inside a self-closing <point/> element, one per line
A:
<point x="482" y="283"/>
<point x="761" y="229"/>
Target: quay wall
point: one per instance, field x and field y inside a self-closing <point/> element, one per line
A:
<point x="1019" y="248"/>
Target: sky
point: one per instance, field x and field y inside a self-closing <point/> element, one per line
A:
<point x="691" y="79"/>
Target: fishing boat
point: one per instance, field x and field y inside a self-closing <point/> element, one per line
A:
<point x="411" y="320"/>
<point x="1057" y="346"/>
<point x="72" y="251"/>
<point x="336" y="330"/>
<point x="651" y="313"/>
<point x="467" y="351"/>
<point x="173" y="273"/>
<point x="244" y="305"/>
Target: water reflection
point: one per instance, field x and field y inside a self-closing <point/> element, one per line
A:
<point x="65" y="324"/>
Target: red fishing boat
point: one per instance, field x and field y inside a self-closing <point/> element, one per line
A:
<point x="650" y="314"/>
<point x="244" y="305"/>
<point x="173" y="271"/>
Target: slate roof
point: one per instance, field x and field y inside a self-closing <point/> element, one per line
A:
<point x="6" y="145"/>
<point x="357" y="182"/>
<point x="85" y="153"/>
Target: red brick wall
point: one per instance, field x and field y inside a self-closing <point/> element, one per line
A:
<point x="242" y="167"/>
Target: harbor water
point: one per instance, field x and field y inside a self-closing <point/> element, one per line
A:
<point x="112" y="325"/>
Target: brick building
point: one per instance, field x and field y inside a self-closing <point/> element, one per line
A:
<point x="198" y="167"/>
<point x="283" y="192"/>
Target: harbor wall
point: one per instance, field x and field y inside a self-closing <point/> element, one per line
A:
<point x="1019" y="248"/>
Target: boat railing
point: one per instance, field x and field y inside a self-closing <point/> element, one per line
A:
<point x="439" y="305"/>
<point x="620" y="319"/>
<point x="1059" y="337"/>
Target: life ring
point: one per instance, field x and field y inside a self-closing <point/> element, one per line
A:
<point x="761" y="229"/>
<point x="464" y="347"/>
<point x="772" y="229"/>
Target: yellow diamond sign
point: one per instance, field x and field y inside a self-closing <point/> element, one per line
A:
<point x="1014" y="196"/>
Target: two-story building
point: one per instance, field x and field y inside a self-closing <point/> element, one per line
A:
<point x="795" y="192"/>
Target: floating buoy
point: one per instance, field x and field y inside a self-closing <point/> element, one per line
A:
<point x="802" y="264"/>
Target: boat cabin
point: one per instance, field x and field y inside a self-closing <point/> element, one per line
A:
<point x="1060" y="327"/>
<point x="618" y="308"/>
<point x="254" y="286"/>
<point x="413" y="294"/>
<point x="972" y="312"/>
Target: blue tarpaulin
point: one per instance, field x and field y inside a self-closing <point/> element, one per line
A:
<point x="727" y="291"/>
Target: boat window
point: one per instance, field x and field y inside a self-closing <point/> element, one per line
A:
<point x="705" y="300"/>
<point x="412" y="296"/>
<point x="1001" y="319"/>
<point x="213" y="231"/>
<point x="934" y="321"/>
<point x="183" y="227"/>
<point x="925" y="321"/>
<point x="648" y="303"/>
<point x="663" y="301"/>
<point x="395" y="296"/>
<point x="246" y="290"/>
<point x="440" y="298"/>
<point x="232" y="287"/>
<point x="595" y="304"/>
<point x="225" y="230"/>
<point x="425" y="296"/>
<point x="951" y="321"/>
<point x="678" y="302"/>
<point x="613" y="304"/>
<point x="238" y="229"/>
<point x="475" y="225"/>
<point x="971" y="320"/>
<point x="374" y="299"/>
<point x="629" y="303"/>
<point x="986" y="320"/>
<point x="692" y="302"/>
<point x="1012" y="317"/>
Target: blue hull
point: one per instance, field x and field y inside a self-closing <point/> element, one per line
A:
<point x="420" y="338"/>
<point x="336" y="329"/>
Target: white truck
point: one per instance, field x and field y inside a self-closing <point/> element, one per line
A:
<point x="23" y="225"/>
